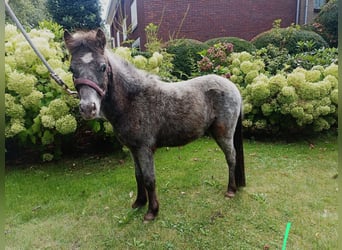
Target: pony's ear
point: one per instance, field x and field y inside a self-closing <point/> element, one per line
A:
<point x="67" y="37"/>
<point x="101" y="38"/>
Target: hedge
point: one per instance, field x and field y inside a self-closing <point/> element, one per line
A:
<point x="239" y="43"/>
<point x="288" y="38"/>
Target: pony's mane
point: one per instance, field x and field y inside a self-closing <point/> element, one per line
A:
<point x="83" y="39"/>
<point x="129" y="70"/>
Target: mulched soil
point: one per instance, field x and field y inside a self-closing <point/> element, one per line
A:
<point x="81" y="144"/>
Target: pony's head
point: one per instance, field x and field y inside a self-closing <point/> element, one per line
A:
<point x="90" y="68"/>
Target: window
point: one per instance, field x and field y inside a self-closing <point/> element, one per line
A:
<point x="136" y="44"/>
<point x="134" y="14"/>
<point x="118" y="39"/>
<point x="318" y="4"/>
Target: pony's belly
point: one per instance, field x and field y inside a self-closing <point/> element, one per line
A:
<point x="178" y="138"/>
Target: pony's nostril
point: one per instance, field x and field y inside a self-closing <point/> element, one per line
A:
<point x="87" y="108"/>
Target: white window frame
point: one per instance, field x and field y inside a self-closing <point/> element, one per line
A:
<point x="124" y="29"/>
<point x="112" y="42"/>
<point x="117" y="39"/>
<point x="134" y="14"/>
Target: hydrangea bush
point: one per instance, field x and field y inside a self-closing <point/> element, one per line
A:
<point x="298" y="101"/>
<point x="38" y="113"/>
<point x="155" y="59"/>
<point x="283" y="100"/>
<point x="244" y="68"/>
<point x="36" y="110"/>
<point x="151" y="64"/>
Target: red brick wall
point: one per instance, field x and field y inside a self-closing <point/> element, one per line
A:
<point x="205" y="19"/>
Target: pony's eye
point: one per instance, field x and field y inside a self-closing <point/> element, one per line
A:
<point x="103" y="67"/>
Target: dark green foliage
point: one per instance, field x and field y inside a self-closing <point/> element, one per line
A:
<point x="77" y="14"/>
<point x="141" y="53"/>
<point x="288" y="38"/>
<point x="326" y="23"/>
<point x="29" y="13"/>
<point x="322" y="57"/>
<point x="239" y="44"/>
<point x="277" y="59"/>
<point x="55" y="28"/>
<point x="186" y="54"/>
<point x="274" y="58"/>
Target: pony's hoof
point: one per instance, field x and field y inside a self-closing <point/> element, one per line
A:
<point x="230" y="194"/>
<point x="149" y="217"/>
<point x="138" y="204"/>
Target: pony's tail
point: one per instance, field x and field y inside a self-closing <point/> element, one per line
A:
<point x="240" y="178"/>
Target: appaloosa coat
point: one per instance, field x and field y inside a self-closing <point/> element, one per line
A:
<point x="147" y="113"/>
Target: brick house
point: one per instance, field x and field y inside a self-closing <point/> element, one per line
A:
<point x="203" y="19"/>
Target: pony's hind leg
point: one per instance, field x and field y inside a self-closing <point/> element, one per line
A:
<point x="224" y="137"/>
<point x="227" y="146"/>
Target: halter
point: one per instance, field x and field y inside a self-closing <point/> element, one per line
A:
<point x="93" y="85"/>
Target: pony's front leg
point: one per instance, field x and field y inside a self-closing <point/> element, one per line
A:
<point x="145" y="161"/>
<point x="141" y="191"/>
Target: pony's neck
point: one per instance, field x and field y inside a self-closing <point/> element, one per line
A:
<point x="124" y="73"/>
<point x="124" y="85"/>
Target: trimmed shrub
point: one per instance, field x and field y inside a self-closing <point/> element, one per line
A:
<point x="186" y="54"/>
<point x="288" y="38"/>
<point x="239" y="44"/>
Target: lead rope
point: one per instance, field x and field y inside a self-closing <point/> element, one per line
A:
<point x="58" y="80"/>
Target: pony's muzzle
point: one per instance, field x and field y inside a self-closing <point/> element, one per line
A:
<point x="88" y="110"/>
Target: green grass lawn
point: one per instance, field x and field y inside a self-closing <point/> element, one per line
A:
<point x="85" y="203"/>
